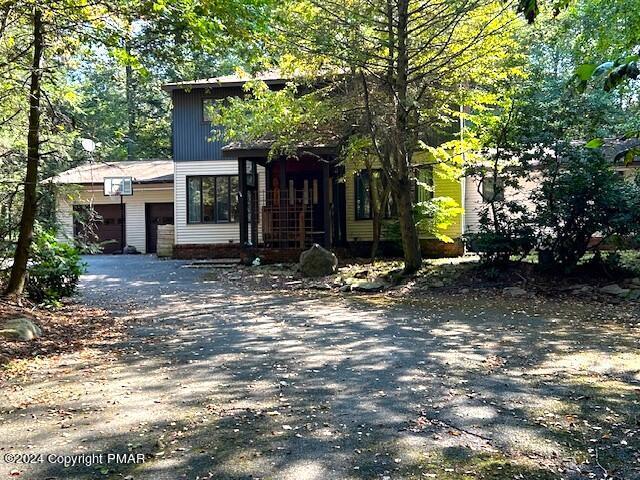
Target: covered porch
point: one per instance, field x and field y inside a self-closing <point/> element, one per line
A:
<point x="299" y="202"/>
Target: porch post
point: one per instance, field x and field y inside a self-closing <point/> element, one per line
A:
<point x="242" y="202"/>
<point x="326" y="203"/>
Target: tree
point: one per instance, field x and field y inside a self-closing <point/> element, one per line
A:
<point x="394" y="71"/>
<point x="40" y="42"/>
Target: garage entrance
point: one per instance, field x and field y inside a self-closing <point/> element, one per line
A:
<point x="156" y="214"/>
<point x="101" y="224"/>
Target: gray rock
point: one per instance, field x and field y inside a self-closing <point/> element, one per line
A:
<point x="437" y="284"/>
<point x="635" y="281"/>
<point x="345" y="288"/>
<point x="19" y="329"/>
<point x="634" y="295"/>
<point x="130" y="250"/>
<point x="317" y="262"/>
<point x="614" y="289"/>
<point x="375" y="286"/>
<point x="515" y="291"/>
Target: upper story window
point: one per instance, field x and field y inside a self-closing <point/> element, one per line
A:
<point x="492" y="189"/>
<point x="212" y="199"/>
<point x="209" y="106"/>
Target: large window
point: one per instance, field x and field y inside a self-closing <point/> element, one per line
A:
<point x="423" y="191"/>
<point x="212" y="199"/>
<point x="364" y="194"/>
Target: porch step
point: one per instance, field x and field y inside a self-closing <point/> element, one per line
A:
<point x="214" y="263"/>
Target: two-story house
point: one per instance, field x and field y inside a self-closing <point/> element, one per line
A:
<point x="231" y="198"/>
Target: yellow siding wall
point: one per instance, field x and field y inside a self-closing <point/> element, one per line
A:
<point x="361" y="230"/>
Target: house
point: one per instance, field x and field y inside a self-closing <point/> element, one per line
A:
<point x="230" y="199"/>
<point x="119" y="220"/>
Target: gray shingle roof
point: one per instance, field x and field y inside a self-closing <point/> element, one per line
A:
<point x="142" y="171"/>
<point x="269" y="77"/>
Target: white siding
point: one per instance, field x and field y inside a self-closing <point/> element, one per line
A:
<point x="201" y="234"/>
<point x="473" y="200"/>
<point x="135" y="223"/>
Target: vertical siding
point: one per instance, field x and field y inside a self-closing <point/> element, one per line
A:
<point x="191" y="134"/>
<point x="135" y="221"/>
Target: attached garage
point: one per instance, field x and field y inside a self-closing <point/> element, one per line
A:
<point x="156" y="214"/>
<point x="81" y="195"/>
<point x="99" y="224"/>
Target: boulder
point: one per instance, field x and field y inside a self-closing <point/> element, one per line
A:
<point x="19" y="329"/>
<point x="317" y="262"/>
<point x="130" y="250"/>
<point x="614" y="289"/>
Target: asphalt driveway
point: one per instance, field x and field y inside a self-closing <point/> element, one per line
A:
<point x="216" y="380"/>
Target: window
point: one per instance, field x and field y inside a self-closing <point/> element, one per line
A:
<point x="209" y="105"/>
<point x="424" y="183"/>
<point x="364" y="195"/>
<point x="212" y="199"/>
<point x="492" y="189"/>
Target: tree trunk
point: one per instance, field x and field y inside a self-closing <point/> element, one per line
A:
<point x="408" y="230"/>
<point x="131" y="109"/>
<point x="30" y="206"/>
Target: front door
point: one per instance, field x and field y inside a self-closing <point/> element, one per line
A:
<point x="156" y="214"/>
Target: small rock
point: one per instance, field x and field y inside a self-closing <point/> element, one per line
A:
<point x="437" y="284"/>
<point x="375" y="286"/>
<point x="614" y="289"/>
<point x="19" y="329"/>
<point x="345" y="288"/>
<point x="515" y="291"/>
<point x="635" y="281"/>
<point x="320" y="286"/>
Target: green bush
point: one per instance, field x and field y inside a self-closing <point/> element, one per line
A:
<point x="584" y="198"/>
<point x="54" y="269"/>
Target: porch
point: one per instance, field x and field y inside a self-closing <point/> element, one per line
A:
<point x="299" y="202"/>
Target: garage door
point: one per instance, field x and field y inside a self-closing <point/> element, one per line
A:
<point x="101" y="224"/>
<point x="156" y="214"/>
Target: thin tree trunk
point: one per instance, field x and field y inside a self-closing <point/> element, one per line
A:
<point x="131" y="109"/>
<point x="30" y="205"/>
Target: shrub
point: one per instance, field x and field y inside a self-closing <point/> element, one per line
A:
<point x="54" y="269"/>
<point x="584" y="198"/>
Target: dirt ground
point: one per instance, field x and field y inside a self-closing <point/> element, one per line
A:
<point x="214" y="379"/>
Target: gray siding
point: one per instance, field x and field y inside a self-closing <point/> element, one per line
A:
<point x="191" y="134"/>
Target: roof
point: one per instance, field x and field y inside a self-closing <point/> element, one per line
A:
<point x="262" y="147"/>
<point x="142" y="171"/>
<point x="270" y="77"/>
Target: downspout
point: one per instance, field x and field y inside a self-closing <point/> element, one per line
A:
<point x="464" y="183"/>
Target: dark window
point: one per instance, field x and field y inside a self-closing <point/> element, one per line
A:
<point x="212" y="199"/>
<point x="424" y="184"/>
<point x="209" y="106"/>
<point x="492" y="189"/>
<point x="364" y="195"/>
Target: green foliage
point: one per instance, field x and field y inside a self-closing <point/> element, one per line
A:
<point x="54" y="269"/>
<point x="580" y="198"/>
<point x="432" y="218"/>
